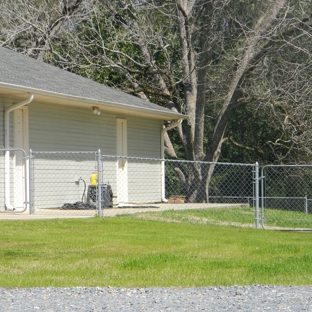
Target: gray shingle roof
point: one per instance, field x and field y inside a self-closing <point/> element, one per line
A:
<point x="23" y="71"/>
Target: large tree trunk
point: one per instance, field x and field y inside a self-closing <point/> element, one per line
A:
<point x="202" y="175"/>
<point x="231" y="101"/>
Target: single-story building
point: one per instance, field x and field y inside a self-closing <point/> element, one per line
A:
<point x="44" y="108"/>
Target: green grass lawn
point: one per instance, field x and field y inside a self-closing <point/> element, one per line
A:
<point x="128" y="252"/>
<point x="238" y="216"/>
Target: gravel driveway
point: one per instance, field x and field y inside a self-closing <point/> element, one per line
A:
<point x="237" y="298"/>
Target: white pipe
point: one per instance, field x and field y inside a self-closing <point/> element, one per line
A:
<point x="162" y="155"/>
<point x="7" y="146"/>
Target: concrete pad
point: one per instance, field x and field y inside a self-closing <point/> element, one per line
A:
<point x="111" y="212"/>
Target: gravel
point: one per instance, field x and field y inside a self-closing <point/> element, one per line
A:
<point x="236" y="298"/>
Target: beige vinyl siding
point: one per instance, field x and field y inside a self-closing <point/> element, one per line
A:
<point x="55" y="127"/>
<point x="144" y="176"/>
<point x="63" y="128"/>
<point x="60" y="128"/>
<point x="55" y="179"/>
<point x="4" y="104"/>
<point x="144" y="137"/>
<point x="109" y="174"/>
<point x="55" y="176"/>
<point x="144" y="181"/>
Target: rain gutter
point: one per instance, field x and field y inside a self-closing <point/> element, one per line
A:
<point x="111" y="105"/>
<point x="7" y="112"/>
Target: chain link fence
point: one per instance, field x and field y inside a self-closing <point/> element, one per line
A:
<point x="205" y="182"/>
<point x="91" y="184"/>
<point x="286" y="197"/>
<point x="61" y="183"/>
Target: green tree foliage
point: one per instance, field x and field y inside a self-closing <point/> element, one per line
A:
<point x="240" y="69"/>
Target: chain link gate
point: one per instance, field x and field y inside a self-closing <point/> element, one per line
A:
<point x="14" y="186"/>
<point x="286" y="197"/>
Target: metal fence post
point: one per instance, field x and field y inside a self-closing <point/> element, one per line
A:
<point x="257" y="195"/>
<point x="31" y="183"/>
<point x="262" y="196"/>
<point x="163" y="181"/>
<point x="99" y="183"/>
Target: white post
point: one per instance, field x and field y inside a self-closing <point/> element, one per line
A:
<point x="7" y="146"/>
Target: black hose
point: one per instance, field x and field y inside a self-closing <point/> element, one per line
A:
<point x="84" y="191"/>
<point x="79" y="205"/>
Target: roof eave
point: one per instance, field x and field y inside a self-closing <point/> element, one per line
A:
<point x="170" y="115"/>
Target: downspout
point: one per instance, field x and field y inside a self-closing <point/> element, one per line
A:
<point x="7" y="112"/>
<point x="162" y="155"/>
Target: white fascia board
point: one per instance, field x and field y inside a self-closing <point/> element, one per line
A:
<point x="110" y="105"/>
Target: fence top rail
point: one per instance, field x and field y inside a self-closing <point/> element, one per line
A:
<point x="63" y="152"/>
<point x="284" y="197"/>
<point x="176" y="160"/>
<point x="139" y="158"/>
<point x="285" y="166"/>
<point x="210" y="163"/>
<point x="132" y="157"/>
<point x="12" y="149"/>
